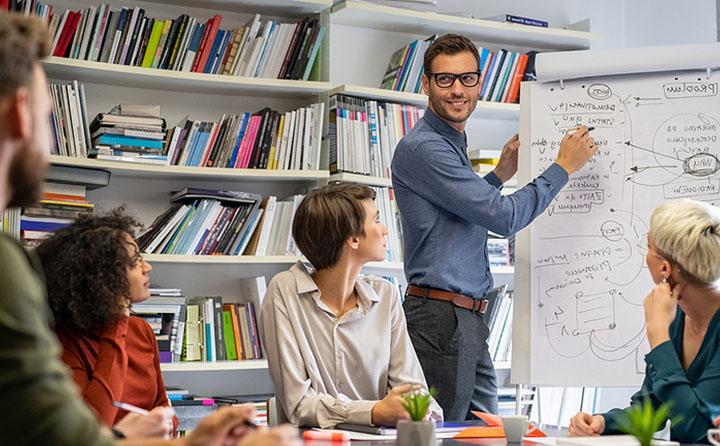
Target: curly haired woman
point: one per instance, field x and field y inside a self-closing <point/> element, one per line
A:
<point x="94" y="273"/>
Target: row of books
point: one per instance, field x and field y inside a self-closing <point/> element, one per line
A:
<point x="501" y="74"/>
<point x="498" y="318"/>
<point x="129" y="37"/>
<point x="363" y="133"/>
<point x="59" y="205"/>
<point x="266" y="139"/>
<point x="204" y="222"/>
<point x="405" y="69"/>
<point x="69" y="120"/>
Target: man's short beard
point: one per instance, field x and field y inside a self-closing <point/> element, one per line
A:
<point x="438" y="108"/>
<point x="26" y="177"/>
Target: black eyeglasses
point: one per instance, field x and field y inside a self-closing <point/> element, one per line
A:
<point x="446" y="80"/>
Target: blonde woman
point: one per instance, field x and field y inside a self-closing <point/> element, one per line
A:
<point x="681" y="312"/>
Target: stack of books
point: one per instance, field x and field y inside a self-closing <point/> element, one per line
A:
<point x="204" y="222"/>
<point x="163" y="311"/>
<point x="69" y="120"/>
<point x="129" y="37"/>
<point x="262" y="140"/>
<point x="123" y="137"/>
<point x="59" y="205"/>
<point x="364" y="133"/>
<point x="405" y="69"/>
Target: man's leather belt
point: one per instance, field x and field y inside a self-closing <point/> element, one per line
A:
<point x="459" y="300"/>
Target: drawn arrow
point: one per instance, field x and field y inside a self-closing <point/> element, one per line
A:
<point x="638" y="98"/>
<point x="638" y="169"/>
<point x="628" y="143"/>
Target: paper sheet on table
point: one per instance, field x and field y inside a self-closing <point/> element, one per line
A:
<point x="363" y="436"/>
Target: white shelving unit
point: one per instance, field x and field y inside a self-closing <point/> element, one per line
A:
<point x="140" y="170"/>
<point x="204" y="96"/>
<point x="138" y="77"/>
<point x="380" y="17"/>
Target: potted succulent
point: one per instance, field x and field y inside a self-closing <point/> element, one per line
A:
<point x="417" y="431"/>
<point x="642" y="421"/>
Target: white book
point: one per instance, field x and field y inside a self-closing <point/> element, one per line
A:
<point x="307" y="151"/>
<point x="264" y="55"/>
<point x="132" y="159"/>
<point x="282" y="208"/>
<point x="284" y="49"/>
<point x="248" y="41"/>
<point x="76" y="190"/>
<point x="69" y="124"/>
<point x="291" y="248"/>
<point x="85" y="120"/>
<point x="319" y="125"/>
<point x="271" y="59"/>
<point x="90" y="25"/>
<point x="169" y="228"/>
<point x="267" y="224"/>
<point x="78" y="126"/>
<point x="241" y="46"/>
<point x="249" y="66"/>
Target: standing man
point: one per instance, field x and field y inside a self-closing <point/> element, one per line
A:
<point x="446" y="211"/>
<point x="42" y="404"/>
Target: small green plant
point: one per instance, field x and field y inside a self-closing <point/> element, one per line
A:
<point x="643" y="420"/>
<point x="418" y="401"/>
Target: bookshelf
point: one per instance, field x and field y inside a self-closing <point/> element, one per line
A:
<point x="139" y="170"/>
<point x="354" y="29"/>
<point x="138" y="77"/>
<point x="198" y="366"/>
<point x="367" y="15"/>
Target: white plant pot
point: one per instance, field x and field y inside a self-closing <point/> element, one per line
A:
<point x="416" y="433"/>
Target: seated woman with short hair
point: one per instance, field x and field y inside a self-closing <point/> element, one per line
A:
<point x="94" y="273"/>
<point x="336" y="342"/>
<point x="682" y="319"/>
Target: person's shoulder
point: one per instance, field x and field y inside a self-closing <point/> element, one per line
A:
<point x="12" y="254"/>
<point x="141" y="327"/>
<point x="383" y="288"/>
<point x="282" y="284"/>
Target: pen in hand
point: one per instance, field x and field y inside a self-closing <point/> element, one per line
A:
<point x="130" y="408"/>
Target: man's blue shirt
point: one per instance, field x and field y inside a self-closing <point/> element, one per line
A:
<point x="446" y="209"/>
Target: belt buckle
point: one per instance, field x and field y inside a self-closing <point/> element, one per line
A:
<point x="482" y="305"/>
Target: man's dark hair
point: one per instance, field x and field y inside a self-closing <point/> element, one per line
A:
<point x="326" y="218"/>
<point x="449" y="44"/>
<point x="24" y="40"/>
<point x="85" y="267"/>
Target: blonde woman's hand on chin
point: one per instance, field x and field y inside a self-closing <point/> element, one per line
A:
<point x="660" y="308"/>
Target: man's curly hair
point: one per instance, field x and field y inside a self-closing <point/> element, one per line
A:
<point x="85" y="267"/>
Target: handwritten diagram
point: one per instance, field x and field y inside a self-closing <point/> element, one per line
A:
<point x="659" y="139"/>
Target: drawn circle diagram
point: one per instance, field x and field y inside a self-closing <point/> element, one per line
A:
<point x="684" y="145"/>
